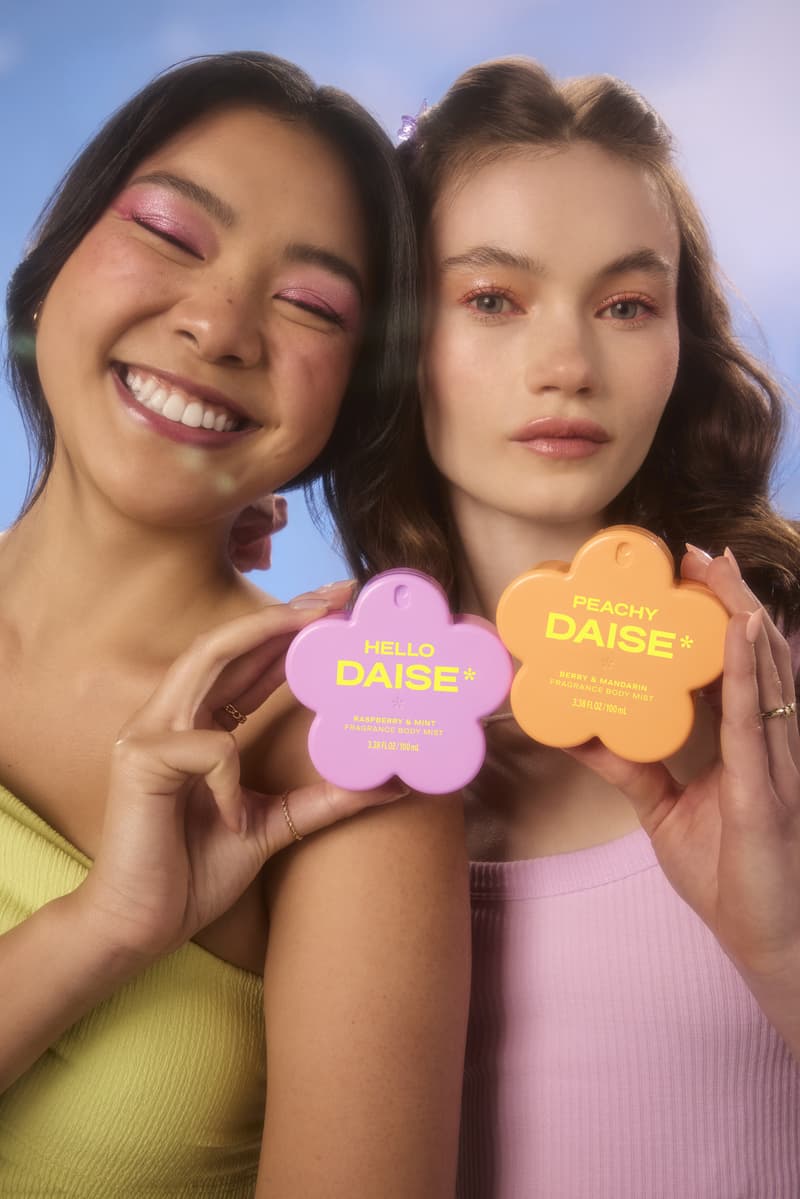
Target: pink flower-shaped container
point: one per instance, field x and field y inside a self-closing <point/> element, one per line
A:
<point x="399" y="687"/>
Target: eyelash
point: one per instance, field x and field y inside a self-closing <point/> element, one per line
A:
<point x="326" y="314"/>
<point x="489" y="293"/>
<point x="170" y="238"/>
<point x="631" y="298"/>
<point x="501" y="293"/>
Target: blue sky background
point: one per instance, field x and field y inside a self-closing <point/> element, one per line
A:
<point x="723" y="73"/>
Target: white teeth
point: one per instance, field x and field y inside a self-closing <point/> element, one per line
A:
<point x="174" y="407"/>
<point x="193" y="415"/>
<point x="177" y="407"/>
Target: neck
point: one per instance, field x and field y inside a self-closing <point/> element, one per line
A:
<point x="496" y="547"/>
<point x="74" y="565"/>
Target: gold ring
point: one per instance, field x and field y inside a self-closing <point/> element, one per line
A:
<point x="234" y="713"/>
<point x="784" y="710"/>
<point x="285" y="805"/>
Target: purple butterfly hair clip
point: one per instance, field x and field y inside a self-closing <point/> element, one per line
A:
<point x="408" y="124"/>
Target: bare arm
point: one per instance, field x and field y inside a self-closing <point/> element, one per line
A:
<point x="366" y="998"/>
<point x="173" y="855"/>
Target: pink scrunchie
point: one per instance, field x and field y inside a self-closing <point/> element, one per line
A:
<point x="250" y="543"/>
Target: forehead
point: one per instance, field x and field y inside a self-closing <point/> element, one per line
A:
<point x="577" y="202"/>
<point x="259" y="163"/>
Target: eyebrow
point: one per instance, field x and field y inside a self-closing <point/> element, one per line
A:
<point x="482" y="256"/>
<point x="318" y="256"/>
<point x="213" y="205"/>
<point x="222" y="212"/>
<point x="642" y="259"/>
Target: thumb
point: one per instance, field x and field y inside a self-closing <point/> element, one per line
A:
<point x="648" y="785"/>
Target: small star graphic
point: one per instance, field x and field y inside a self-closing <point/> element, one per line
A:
<point x="397" y="702"/>
<point x="687" y="642"/>
<point x="469" y="673"/>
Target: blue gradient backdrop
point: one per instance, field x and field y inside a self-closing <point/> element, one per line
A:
<point x="723" y="74"/>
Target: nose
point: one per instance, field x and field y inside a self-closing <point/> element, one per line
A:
<point x="560" y="356"/>
<point x="223" y="323"/>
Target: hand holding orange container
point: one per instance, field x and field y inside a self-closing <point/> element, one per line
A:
<point x="611" y="646"/>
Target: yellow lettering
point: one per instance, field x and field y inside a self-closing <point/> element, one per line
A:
<point x="632" y="639"/>
<point x="551" y="630"/>
<point x="660" y="644"/>
<point x="341" y="667"/>
<point x="589" y="632"/>
<point x="378" y="674"/>
<point x="444" y="675"/>
<point x="418" y="678"/>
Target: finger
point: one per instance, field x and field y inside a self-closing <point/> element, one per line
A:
<point x="724" y="577"/>
<point x="648" y="785"/>
<point x="188" y="681"/>
<point x="158" y="765"/>
<point x="742" y="740"/>
<point x="304" y="810"/>
<point x="779" y="730"/>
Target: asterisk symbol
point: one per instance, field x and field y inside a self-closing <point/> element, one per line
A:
<point x="687" y="642"/>
<point x="469" y="673"/>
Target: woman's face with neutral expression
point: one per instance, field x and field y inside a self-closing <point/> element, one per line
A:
<point x="195" y="347"/>
<point x="551" y="337"/>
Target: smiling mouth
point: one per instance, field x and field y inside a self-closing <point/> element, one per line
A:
<point x="175" y="405"/>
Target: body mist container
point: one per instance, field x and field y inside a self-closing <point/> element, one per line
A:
<point x="399" y="687"/>
<point x="611" y="646"/>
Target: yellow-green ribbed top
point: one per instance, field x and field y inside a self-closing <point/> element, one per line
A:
<point x="159" y="1091"/>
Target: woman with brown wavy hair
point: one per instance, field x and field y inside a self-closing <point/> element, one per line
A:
<point x="636" y="929"/>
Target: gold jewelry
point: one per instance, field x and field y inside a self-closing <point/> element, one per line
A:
<point x="234" y="713"/>
<point x="785" y="710"/>
<point x="285" y="805"/>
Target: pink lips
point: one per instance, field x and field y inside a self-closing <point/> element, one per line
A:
<point x="173" y="430"/>
<point x="560" y="438"/>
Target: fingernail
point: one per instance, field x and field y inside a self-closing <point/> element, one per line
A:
<point x="339" y="585"/>
<point x="755" y="623"/>
<point x="307" y="601"/>
<point x="397" y="790"/>
<point x="728" y="553"/>
<point x="701" y="554"/>
<point x="243" y="823"/>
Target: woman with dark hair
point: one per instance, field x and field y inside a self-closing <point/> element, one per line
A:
<point x="627" y="1037"/>
<point x="219" y="302"/>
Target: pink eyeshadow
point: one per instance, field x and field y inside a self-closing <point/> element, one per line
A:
<point x="165" y="212"/>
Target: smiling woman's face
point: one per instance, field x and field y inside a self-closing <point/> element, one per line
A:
<point x="195" y="347"/>
<point x="551" y="340"/>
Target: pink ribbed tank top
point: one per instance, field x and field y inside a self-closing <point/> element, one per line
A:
<point x="613" y="1050"/>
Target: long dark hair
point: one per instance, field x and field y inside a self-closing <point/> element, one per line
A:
<point x="377" y="392"/>
<point x="707" y="475"/>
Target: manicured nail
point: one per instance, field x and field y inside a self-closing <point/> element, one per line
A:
<point x="728" y="553"/>
<point x="339" y="585"/>
<point x="305" y="602"/>
<point x="701" y="554"/>
<point x="755" y="623"/>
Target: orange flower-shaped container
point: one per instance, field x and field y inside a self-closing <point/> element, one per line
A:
<point x="611" y="646"/>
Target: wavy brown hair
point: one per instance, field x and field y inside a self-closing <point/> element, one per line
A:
<point x="707" y="475"/>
